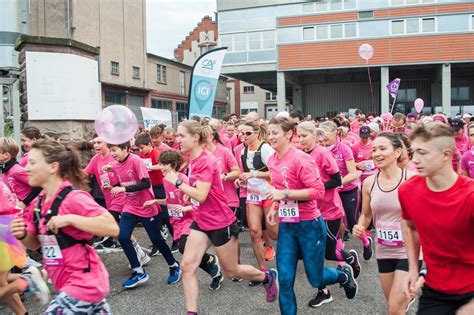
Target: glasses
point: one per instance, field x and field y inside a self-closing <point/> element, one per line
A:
<point x="247" y="133"/>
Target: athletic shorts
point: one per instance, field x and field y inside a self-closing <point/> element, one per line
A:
<point x="66" y="304"/>
<point x="221" y="236"/>
<point x="390" y="265"/>
<point x="433" y="302"/>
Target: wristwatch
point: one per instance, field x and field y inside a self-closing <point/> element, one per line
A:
<point x="286" y="192"/>
<point x="225" y="176"/>
<point x="178" y="183"/>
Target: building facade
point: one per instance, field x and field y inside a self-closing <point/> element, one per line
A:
<point x="307" y="52"/>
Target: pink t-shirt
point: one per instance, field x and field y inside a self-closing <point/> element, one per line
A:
<point x="225" y="161"/>
<point x="467" y="162"/>
<point x="296" y="170"/>
<point x="355" y="126"/>
<point x="237" y="154"/>
<point x="330" y="205"/>
<point x="95" y="168"/>
<point x="213" y="213"/>
<point x="174" y="196"/>
<point x="70" y="277"/>
<point x="17" y="180"/>
<point x="342" y="153"/>
<point x="131" y="172"/>
<point x="463" y="144"/>
<point x="226" y="142"/>
<point x="24" y="159"/>
<point x="363" y="153"/>
<point x="7" y="202"/>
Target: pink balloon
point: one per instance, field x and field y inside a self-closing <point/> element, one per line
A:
<point x="116" y="124"/>
<point x="419" y="104"/>
<point x="366" y="51"/>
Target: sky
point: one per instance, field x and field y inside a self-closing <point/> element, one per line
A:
<point x="170" y="21"/>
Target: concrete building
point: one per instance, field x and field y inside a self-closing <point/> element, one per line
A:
<point x="307" y="52"/>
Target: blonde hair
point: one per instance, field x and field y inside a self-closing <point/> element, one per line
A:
<point x="195" y="128"/>
<point x="328" y="126"/>
<point x="8" y="145"/>
<point x="310" y="127"/>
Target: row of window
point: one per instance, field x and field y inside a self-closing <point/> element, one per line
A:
<point x="457" y="94"/>
<point x="115" y="70"/>
<point x="269" y="96"/>
<point x="320" y="6"/>
<point x="181" y="107"/>
<point x="413" y="26"/>
<point x="248" y="41"/>
<point x="334" y="31"/>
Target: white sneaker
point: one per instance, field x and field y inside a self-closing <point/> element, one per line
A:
<point x="32" y="263"/>
<point x="36" y="284"/>
<point x="143" y="258"/>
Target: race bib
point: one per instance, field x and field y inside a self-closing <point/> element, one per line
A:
<point x="195" y="203"/>
<point x="288" y="211"/>
<point x="172" y="211"/>
<point x="254" y="198"/>
<point x="104" y="179"/>
<point x="52" y="255"/>
<point x="147" y="163"/>
<point x="389" y="235"/>
<point x="368" y="165"/>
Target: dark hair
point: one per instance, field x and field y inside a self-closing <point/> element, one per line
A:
<point x="143" y="139"/>
<point x="226" y="117"/>
<point x="406" y="143"/>
<point x="31" y="132"/>
<point x="163" y="127"/>
<point x="156" y="131"/>
<point x="399" y="116"/>
<point x="68" y="160"/>
<point x="297" y="114"/>
<point x="173" y="158"/>
<point x="122" y="146"/>
<point x="285" y="124"/>
<point x="393" y="138"/>
<point x="357" y="112"/>
<point x="196" y="118"/>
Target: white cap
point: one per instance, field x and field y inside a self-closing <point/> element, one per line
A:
<point x="466" y="116"/>
<point x="374" y="127"/>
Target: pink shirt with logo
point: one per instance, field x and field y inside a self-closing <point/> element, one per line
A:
<point x="363" y="153"/>
<point x="342" y="153"/>
<point x="213" y="213"/>
<point x="467" y="162"/>
<point x="463" y="144"/>
<point x="95" y="168"/>
<point x="174" y="196"/>
<point x="330" y="205"/>
<point x="131" y="172"/>
<point x="225" y="161"/>
<point x="24" y="159"/>
<point x="297" y="170"/>
<point x="17" y="180"/>
<point x="237" y="154"/>
<point x="70" y="277"/>
<point x="7" y="202"/>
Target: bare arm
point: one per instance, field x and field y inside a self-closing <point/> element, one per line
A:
<point x="102" y="225"/>
<point x="366" y="215"/>
<point x="351" y="175"/>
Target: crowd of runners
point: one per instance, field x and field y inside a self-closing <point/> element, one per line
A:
<point x="301" y="187"/>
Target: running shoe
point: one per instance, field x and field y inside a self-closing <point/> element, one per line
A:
<point x="152" y="251"/>
<point x="355" y="263"/>
<point x="174" y="247"/>
<point x="269" y="253"/>
<point x="410" y="304"/>
<point x="346" y="237"/>
<point x="100" y="241"/>
<point x="237" y="279"/>
<point x="175" y="275"/>
<point x="135" y="279"/>
<point x="272" y="286"/>
<point x="350" y="285"/>
<point x="213" y="266"/>
<point x="164" y="232"/>
<point x="254" y="283"/>
<point x="113" y="248"/>
<point x="321" y="298"/>
<point x="216" y="282"/>
<point x="36" y="284"/>
<point x="143" y="257"/>
<point x="100" y="249"/>
<point x="368" y="250"/>
<point x="32" y="263"/>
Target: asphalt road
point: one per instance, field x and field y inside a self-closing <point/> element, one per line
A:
<point x="157" y="297"/>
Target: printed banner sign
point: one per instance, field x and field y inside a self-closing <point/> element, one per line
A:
<point x="154" y="116"/>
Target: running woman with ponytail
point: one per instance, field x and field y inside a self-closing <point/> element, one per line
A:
<point x="302" y="231"/>
<point x="381" y="205"/>
<point x="214" y="223"/>
<point x="330" y="204"/>
<point x="64" y="221"/>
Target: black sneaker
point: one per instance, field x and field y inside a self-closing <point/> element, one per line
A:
<point x="112" y="248"/>
<point x="174" y="247"/>
<point x="237" y="279"/>
<point x="355" y="264"/>
<point x="368" y="250"/>
<point x="320" y="299"/>
<point x="153" y="251"/>
<point x="254" y="283"/>
<point x="216" y="282"/>
<point x="213" y="266"/>
<point x="346" y="237"/>
<point x="350" y="285"/>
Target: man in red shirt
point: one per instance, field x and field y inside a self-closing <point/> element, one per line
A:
<point x="438" y="213"/>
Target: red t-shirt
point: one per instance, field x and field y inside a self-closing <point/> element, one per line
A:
<point x="153" y="158"/>
<point x="445" y="223"/>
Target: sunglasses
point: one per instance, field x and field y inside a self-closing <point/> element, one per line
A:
<point x="247" y="133"/>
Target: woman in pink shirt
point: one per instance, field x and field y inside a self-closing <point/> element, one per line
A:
<point x="381" y="205"/>
<point x="62" y="225"/>
<point x="29" y="135"/>
<point x="302" y="231"/>
<point x="467" y="162"/>
<point x="214" y="223"/>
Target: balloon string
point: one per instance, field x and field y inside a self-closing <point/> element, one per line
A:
<point x="371" y="88"/>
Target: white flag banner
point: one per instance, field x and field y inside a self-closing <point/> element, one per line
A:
<point x="154" y="116"/>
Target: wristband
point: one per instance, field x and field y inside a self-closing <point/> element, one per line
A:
<point x="254" y="174"/>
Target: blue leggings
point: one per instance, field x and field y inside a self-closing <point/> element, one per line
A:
<point x="152" y="227"/>
<point x="307" y="238"/>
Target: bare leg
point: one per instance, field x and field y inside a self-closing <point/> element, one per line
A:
<point x="254" y="219"/>
<point x="9" y="292"/>
<point x="397" y="300"/>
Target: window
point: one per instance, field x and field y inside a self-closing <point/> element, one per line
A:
<point x="410" y="2"/>
<point x="413" y="26"/>
<point x="321" y="5"/>
<point x="240" y="42"/>
<point x="336" y="31"/>
<point x="182" y="110"/>
<point x="336" y="5"/>
<point x="268" y="40"/>
<point x="366" y="14"/>
<point x="261" y="40"/>
<point x="321" y="32"/>
<point x="112" y="98"/>
<point x="308" y="33"/>
<point x="350" y="30"/>
<point x="114" y="68"/>
<point x="249" y="89"/>
<point x="308" y="7"/>
<point x="406" y="95"/>
<point x="161" y="104"/>
<point x="460" y="94"/>
<point x="182" y="83"/>
<point x="254" y="41"/>
<point x="270" y="96"/>
<point x="428" y="25"/>
<point x="204" y="49"/>
<point x="136" y="72"/>
<point x="398" y="27"/>
<point x="472" y="21"/>
<point x="349" y="4"/>
<point x="161" y="74"/>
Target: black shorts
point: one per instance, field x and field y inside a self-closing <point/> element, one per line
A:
<point x="116" y="215"/>
<point x="390" y="265"/>
<point x="221" y="236"/>
<point x="433" y="302"/>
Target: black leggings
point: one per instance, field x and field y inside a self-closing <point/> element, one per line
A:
<point x="350" y="202"/>
<point x="203" y="265"/>
<point x="333" y="236"/>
